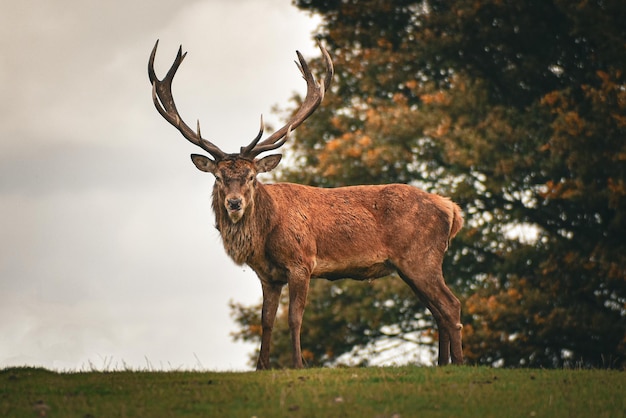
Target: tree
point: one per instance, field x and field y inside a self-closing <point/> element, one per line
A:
<point x="517" y="110"/>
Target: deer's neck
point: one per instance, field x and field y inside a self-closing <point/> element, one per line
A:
<point x="245" y="240"/>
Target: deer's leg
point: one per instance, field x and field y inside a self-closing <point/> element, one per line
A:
<point x="298" y="289"/>
<point x="430" y="287"/>
<point x="271" y="297"/>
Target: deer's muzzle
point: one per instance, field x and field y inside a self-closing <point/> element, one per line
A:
<point x="233" y="204"/>
<point x="235" y="207"/>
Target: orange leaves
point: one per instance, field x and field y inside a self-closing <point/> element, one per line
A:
<point x="365" y="141"/>
<point x="384" y="42"/>
<point x="605" y="77"/>
<point x="373" y="139"/>
<point x="494" y="307"/>
<point x="486" y="328"/>
<point x="500" y="316"/>
<point x="441" y="130"/>
<point x="351" y="145"/>
<point x="308" y="355"/>
<point x="438" y="98"/>
<point x="477" y="304"/>
<point x="336" y="122"/>
<point x="514" y="294"/>
<point x="586" y="141"/>
<point x="353" y="152"/>
<point x="602" y="114"/>
<point x="255" y="329"/>
<point x="373" y="117"/>
<point x="617" y="186"/>
<point x="571" y="124"/>
<point x="609" y="82"/>
<point x="400" y="99"/>
<point x="333" y="145"/>
<point x="551" y="99"/>
<point x="567" y="121"/>
<point x="617" y="192"/>
<point x="563" y="189"/>
<point x="411" y="84"/>
<point x="493" y="304"/>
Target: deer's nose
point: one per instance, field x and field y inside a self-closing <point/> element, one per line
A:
<point x="234" y="204"/>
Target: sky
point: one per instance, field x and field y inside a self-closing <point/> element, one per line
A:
<point x="108" y="254"/>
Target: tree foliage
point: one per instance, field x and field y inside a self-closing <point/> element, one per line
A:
<point x="516" y="110"/>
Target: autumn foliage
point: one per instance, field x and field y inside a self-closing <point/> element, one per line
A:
<point x="516" y="110"/>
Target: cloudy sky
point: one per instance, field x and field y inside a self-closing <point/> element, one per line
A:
<point x="108" y="255"/>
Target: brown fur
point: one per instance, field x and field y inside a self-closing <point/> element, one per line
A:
<point x="289" y="233"/>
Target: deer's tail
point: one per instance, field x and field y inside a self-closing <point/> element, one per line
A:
<point x="457" y="221"/>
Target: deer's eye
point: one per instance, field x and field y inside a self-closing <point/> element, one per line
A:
<point x="251" y="177"/>
<point x="218" y="179"/>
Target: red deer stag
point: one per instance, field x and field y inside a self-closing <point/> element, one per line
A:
<point x="289" y="233"/>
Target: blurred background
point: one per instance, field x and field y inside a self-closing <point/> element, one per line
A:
<point x="108" y="255"/>
<point x="514" y="109"/>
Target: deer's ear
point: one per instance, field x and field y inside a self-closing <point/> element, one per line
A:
<point x="204" y="163"/>
<point x="268" y="163"/>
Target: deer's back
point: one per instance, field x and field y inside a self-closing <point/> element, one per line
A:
<point x="360" y="228"/>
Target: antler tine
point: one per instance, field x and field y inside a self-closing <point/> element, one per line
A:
<point x="246" y="150"/>
<point x="314" y="95"/>
<point x="269" y="147"/>
<point x="330" y="70"/>
<point x="164" y="103"/>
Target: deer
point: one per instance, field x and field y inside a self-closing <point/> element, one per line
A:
<point x="289" y="233"/>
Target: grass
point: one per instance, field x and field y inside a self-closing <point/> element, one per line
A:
<point x="360" y="392"/>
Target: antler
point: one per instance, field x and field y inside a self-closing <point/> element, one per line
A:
<point x="314" y="95"/>
<point x="164" y="103"/>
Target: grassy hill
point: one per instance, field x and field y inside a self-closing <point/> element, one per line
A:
<point x="398" y="392"/>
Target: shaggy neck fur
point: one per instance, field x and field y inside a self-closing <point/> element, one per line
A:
<point x="241" y="239"/>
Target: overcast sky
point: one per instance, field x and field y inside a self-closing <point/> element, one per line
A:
<point x="108" y="254"/>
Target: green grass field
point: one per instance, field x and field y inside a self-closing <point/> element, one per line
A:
<point x="360" y="392"/>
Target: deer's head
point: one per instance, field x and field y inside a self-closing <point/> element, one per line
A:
<point x="235" y="174"/>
